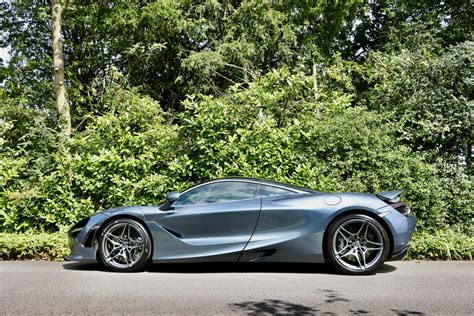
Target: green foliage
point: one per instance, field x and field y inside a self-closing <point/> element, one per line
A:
<point x="118" y="159"/>
<point x="442" y="245"/>
<point x="379" y="24"/>
<point x="41" y="246"/>
<point x="121" y="157"/>
<point x="275" y="129"/>
<point x="26" y="33"/>
<point x="428" y="95"/>
<point x="175" y="48"/>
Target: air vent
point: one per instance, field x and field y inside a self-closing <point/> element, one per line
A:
<point x="172" y="232"/>
<point x="89" y="240"/>
<point x="76" y="229"/>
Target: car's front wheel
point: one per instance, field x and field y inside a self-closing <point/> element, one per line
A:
<point x="124" y="245"/>
<point x="357" y="244"/>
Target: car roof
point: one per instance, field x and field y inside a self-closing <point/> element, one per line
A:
<point x="260" y="181"/>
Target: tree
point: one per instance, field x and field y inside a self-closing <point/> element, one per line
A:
<point x="175" y="48"/>
<point x="450" y="21"/>
<point x="428" y="95"/>
<point x="25" y="30"/>
<point x="62" y="101"/>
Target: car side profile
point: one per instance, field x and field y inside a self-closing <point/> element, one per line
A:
<point x="250" y="220"/>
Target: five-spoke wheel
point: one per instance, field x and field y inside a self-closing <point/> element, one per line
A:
<point x="124" y="245"/>
<point x="357" y="244"/>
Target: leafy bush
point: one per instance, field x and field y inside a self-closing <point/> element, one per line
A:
<point x="120" y="158"/>
<point x="442" y="245"/>
<point x="269" y="130"/>
<point x="428" y="93"/>
<point x="41" y="246"/>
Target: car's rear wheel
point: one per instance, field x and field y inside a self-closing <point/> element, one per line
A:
<point x="124" y="245"/>
<point x="357" y="244"/>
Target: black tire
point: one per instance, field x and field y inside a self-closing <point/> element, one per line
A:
<point x="349" y="251"/>
<point x="124" y="245"/>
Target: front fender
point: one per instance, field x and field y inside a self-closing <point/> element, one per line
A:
<point x="83" y="241"/>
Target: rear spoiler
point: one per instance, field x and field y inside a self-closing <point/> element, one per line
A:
<point x="390" y="196"/>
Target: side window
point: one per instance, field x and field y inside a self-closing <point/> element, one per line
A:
<point x="266" y="190"/>
<point x="225" y="191"/>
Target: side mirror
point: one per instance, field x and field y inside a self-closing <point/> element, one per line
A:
<point x="172" y="197"/>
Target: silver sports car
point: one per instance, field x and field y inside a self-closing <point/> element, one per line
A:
<point x="248" y="220"/>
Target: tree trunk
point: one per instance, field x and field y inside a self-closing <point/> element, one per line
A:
<point x="62" y="101"/>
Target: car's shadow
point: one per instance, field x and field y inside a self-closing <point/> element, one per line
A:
<point x="224" y="267"/>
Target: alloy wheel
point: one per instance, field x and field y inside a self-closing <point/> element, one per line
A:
<point x="358" y="245"/>
<point x="123" y="245"/>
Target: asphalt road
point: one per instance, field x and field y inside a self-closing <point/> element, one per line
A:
<point x="400" y="288"/>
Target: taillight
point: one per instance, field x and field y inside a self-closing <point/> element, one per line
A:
<point x="401" y="207"/>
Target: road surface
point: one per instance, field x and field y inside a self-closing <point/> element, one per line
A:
<point x="400" y="288"/>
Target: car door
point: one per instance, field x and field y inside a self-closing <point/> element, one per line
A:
<point x="290" y="227"/>
<point x="214" y="221"/>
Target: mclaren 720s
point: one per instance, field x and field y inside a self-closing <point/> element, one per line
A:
<point x="250" y="220"/>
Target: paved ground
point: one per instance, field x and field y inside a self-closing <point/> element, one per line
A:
<point x="400" y="288"/>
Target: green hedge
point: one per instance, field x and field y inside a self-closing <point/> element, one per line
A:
<point x="42" y="246"/>
<point x="440" y="245"/>
<point x="134" y="154"/>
